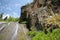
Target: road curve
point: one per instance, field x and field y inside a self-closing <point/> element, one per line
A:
<point x="13" y="31"/>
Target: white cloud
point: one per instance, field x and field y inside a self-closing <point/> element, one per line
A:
<point x="6" y="5"/>
<point x="2" y="7"/>
<point x="0" y="3"/>
<point x="8" y="8"/>
<point x="7" y="15"/>
<point x="13" y="14"/>
<point x="17" y="4"/>
<point x="6" y="0"/>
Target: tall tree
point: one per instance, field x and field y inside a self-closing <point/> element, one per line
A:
<point x="1" y="15"/>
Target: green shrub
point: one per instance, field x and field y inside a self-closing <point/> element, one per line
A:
<point x="55" y="35"/>
<point x="32" y="33"/>
<point x="12" y="19"/>
<point x="24" y="22"/>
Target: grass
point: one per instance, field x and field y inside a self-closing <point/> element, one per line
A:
<point x="11" y="19"/>
<point x="55" y="35"/>
<point x="21" y="38"/>
<point x="24" y="22"/>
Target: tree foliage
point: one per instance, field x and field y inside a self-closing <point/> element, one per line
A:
<point x="12" y="19"/>
<point x="1" y="15"/>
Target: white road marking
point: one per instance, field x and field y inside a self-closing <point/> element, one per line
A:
<point x="13" y="37"/>
<point x="2" y="22"/>
<point x="2" y="27"/>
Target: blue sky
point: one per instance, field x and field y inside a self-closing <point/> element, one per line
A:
<point x="12" y="7"/>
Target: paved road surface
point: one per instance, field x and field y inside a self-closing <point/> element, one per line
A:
<point x="13" y="31"/>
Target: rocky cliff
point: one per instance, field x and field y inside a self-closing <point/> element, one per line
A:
<point x="37" y="13"/>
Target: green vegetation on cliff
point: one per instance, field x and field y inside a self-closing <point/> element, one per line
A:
<point x="54" y="35"/>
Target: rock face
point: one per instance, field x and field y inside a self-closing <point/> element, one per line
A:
<point x="37" y="13"/>
<point x="39" y="16"/>
<point x="28" y="9"/>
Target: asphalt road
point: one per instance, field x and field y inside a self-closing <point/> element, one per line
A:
<point x="13" y="31"/>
